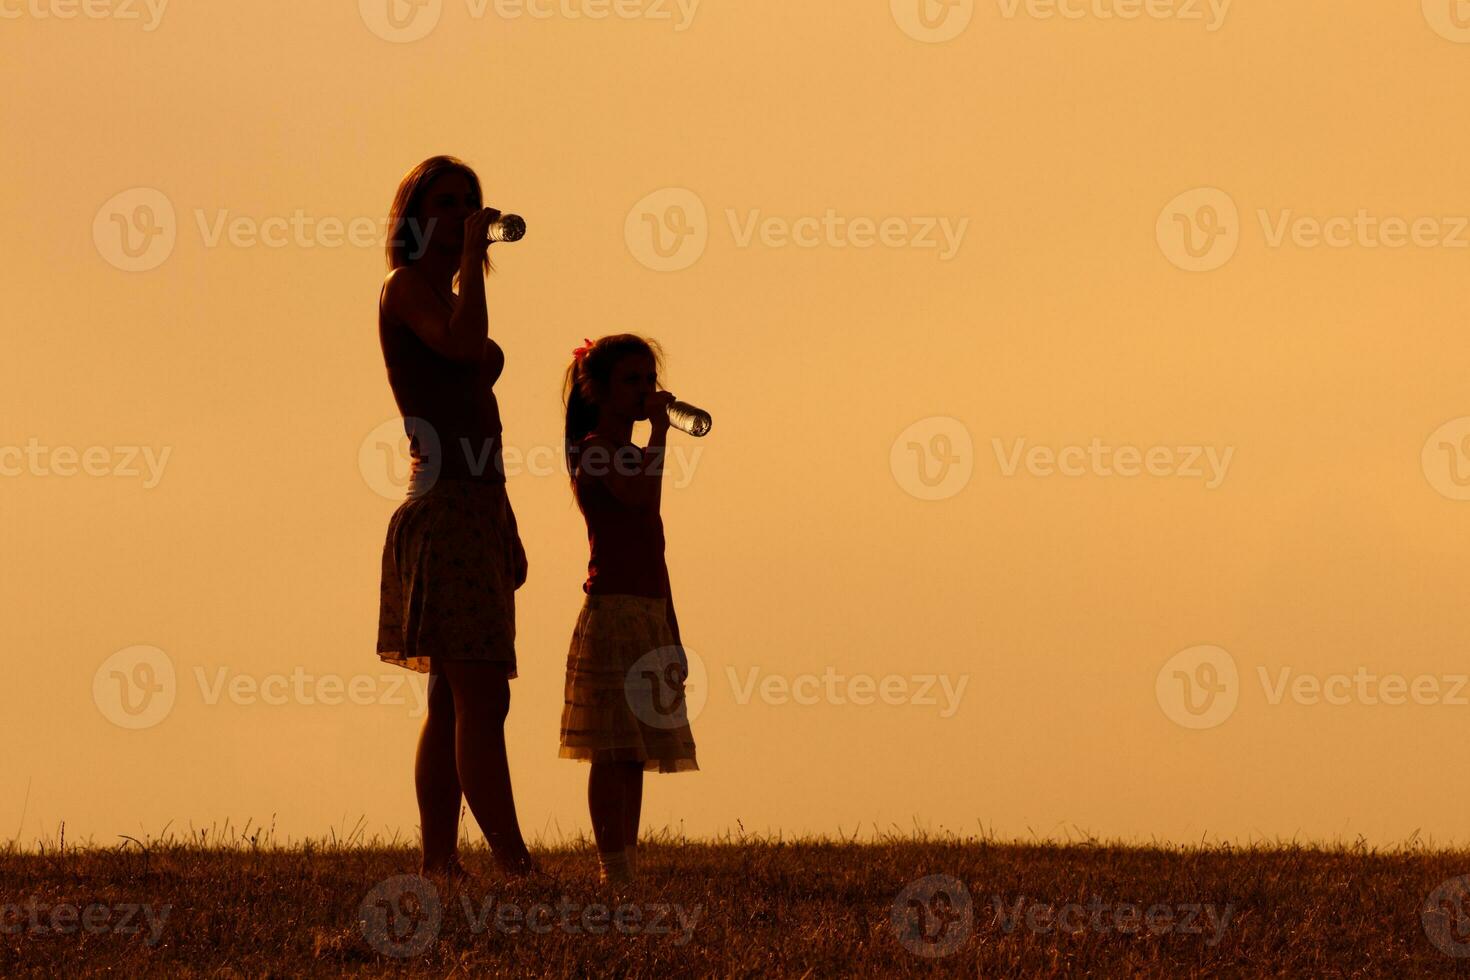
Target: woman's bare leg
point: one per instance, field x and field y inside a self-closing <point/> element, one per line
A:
<point x="481" y="702"/>
<point x="436" y="778"/>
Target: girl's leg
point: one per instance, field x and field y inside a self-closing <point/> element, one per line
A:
<point x="632" y="803"/>
<point x="608" y="788"/>
<point x="481" y="702"/>
<point x="436" y="779"/>
<point x="632" y="811"/>
<point x="605" y="792"/>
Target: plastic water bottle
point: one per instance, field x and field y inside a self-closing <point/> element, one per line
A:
<point x="508" y="228"/>
<point x="686" y="418"/>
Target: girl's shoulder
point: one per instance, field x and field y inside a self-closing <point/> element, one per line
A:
<point x="588" y="441"/>
<point x="593" y="439"/>
<point x="590" y="469"/>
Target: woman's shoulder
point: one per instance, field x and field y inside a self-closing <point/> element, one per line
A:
<point x="396" y="279"/>
<point x="392" y="292"/>
<point x="404" y="289"/>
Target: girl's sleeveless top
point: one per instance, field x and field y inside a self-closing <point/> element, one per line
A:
<point x="626" y="544"/>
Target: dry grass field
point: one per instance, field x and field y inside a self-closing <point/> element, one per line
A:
<point x="236" y="903"/>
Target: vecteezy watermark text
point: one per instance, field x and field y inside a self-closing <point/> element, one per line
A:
<point x="1200" y="230"/>
<point x="34" y="459"/>
<point x="386" y="464"/>
<point x="934" y="458"/>
<point x="833" y="688"/>
<point x="35" y="918"/>
<point x="934" y="916"/>
<point x="669" y="230"/>
<point x="126" y="10"/>
<point x="136" y="230"/>
<point x="1200" y="687"/>
<point x="405" y="21"/>
<point x="1071" y="918"/>
<point x="137" y="687"/>
<point x="403" y="916"/>
<point x="1099" y="459"/>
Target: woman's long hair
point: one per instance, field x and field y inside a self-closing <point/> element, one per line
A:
<point x="407" y="235"/>
<point x="591" y="373"/>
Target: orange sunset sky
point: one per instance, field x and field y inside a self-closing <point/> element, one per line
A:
<point x="1091" y="446"/>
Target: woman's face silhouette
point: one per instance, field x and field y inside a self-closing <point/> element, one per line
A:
<point x="634" y="378"/>
<point x="450" y="199"/>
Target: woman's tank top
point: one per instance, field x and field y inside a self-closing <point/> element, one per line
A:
<point x="450" y="413"/>
<point x="626" y="544"/>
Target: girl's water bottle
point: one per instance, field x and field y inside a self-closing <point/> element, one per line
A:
<point x="687" y="418"/>
<point x="508" y="228"/>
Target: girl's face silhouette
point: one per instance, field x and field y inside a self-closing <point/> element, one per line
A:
<point x="634" y="378"/>
<point x="451" y="199"/>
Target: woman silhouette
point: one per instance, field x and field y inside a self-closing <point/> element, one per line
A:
<point x="453" y="557"/>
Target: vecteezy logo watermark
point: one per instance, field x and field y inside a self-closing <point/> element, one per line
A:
<point x="575" y="919"/>
<point x="1097" y="916"/>
<point x="93" y="919"/>
<point x="1209" y="12"/>
<point x="1450" y="19"/>
<point x="404" y="21"/>
<point x="137" y="230"/>
<point x="401" y="21"/>
<point x="1446" y="917"/>
<point x="937" y="21"/>
<point x="90" y="9"/>
<point x="1446" y="459"/>
<point x="37" y="460"/>
<point x="1199" y="230"/>
<point x="137" y="688"/>
<point x="1364" y="687"/>
<point x="385" y="460"/>
<point x="1098" y="459"/>
<point x="403" y="916"/>
<point x="933" y="458"/>
<point x="668" y="231"/>
<point x="1199" y="687"/>
<point x="667" y="687"/>
<point x="933" y="916"/>
<point x="933" y="21"/>
<point x="832" y="688"/>
<point x="384" y="457"/>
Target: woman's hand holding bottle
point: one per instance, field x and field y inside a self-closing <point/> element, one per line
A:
<point x="477" y="233"/>
<point x="658" y="410"/>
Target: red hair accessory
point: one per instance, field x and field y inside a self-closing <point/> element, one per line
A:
<point x="581" y="352"/>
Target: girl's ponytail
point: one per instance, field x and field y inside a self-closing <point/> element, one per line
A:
<point x="591" y="369"/>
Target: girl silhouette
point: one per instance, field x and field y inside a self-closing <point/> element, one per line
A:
<point x="623" y="710"/>
<point x="452" y="559"/>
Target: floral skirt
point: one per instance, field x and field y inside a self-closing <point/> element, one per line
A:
<point x="449" y="577"/>
<point x="624" y="696"/>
